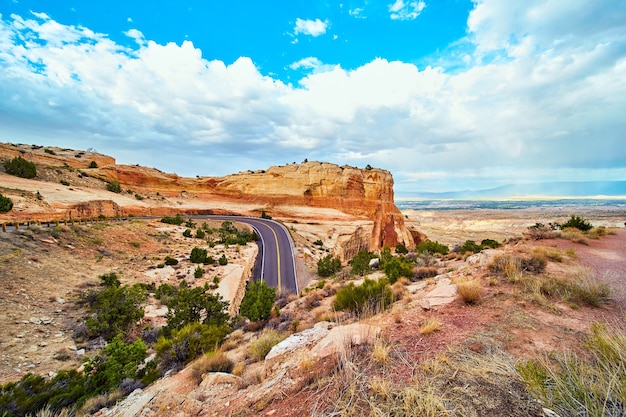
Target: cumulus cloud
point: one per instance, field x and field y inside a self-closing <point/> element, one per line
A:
<point x="552" y="107"/>
<point x="410" y="10"/>
<point x="357" y="13"/>
<point x="313" y="28"/>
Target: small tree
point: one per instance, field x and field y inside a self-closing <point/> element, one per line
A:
<point x="361" y="262"/>
<point x="191" y="305"/>
<point x="258" y="301"/>
<point x="93" y="164"/>
<point x="328" y="266"/>
<point x="198" y="272"/>
<point x="20" y="167"/>
<point x="223" y="260"/>
<point x="6" y="204"/>
<point x="401" y="249"/>
<point x="187" y="233"/>
<point x="577" y="222"/>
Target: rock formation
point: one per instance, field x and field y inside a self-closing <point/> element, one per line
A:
<point x="311" y="190"/>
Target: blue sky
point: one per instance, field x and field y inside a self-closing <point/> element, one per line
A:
<point x="446" y="94"/>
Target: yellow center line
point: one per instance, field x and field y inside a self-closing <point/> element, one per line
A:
<point x="278" y="286"/>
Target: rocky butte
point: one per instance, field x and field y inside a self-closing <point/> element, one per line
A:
<point x="306" y="193"/>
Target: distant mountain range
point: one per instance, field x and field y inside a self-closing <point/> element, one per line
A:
<point x="544" y="189"/>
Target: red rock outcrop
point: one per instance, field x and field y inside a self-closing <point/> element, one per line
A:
<point x="282" y="191"/>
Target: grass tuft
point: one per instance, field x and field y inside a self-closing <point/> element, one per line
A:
<point x="260" y="347"/>
<point x="430" y="325"/>
<point x="470" y="291"/>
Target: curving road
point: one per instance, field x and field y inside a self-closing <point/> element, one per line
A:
<point x="277" y="264"/>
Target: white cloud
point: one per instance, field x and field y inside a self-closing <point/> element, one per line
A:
<point x="410" y="10"/>
<point x="357" y="13"/>
<point x="313" y="28"/>
<point x="551" y="108"/>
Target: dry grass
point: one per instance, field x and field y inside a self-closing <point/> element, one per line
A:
<point x="506" y="265"/>
<point x="594" y="386"/>
<point x="381" y="352"/>
<point x="470" y="291"/>
<point x="239" y="368"/>
<point x="210" y="362"/>
<point x="552" y="254"/>
<point x="460" y="382"/>
<point x="261" y="346"/>
<point x="574" y="235"/>
<point x="430" y="325"/>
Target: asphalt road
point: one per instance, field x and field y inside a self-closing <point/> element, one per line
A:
<point x="275" y="250"/>
<point x="276" y="253"/>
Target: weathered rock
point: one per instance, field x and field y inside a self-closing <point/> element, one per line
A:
<point x="444" y="293"/>
<point x="341" y="337"/>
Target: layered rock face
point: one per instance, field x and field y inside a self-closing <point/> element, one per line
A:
<point x="311" y="191"/>
<point x="365" y="193"/>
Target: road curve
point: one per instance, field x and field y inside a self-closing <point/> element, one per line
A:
<point x="276" y="251"/>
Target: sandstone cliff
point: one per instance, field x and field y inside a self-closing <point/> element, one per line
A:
<point x="304" y="192"/>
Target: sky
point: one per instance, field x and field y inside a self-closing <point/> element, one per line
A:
<point x="446" y="94"/>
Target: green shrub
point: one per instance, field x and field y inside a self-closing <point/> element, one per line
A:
<point x="170" y="261"/>
<point x="222" y="260"/>
<point x="110" y="280"/>
<point x="6" y="204"/>
<point x="118" y="361"/>
<point x="318" y="242"/>
<point x="114" y="186"/>
<point x="198" y="255"/>
<point x="187" y="233"/>
<point x="360" y="264"/>
<point x="187" y="343"/>
<point x="258" y="301"/>
<point x="401" y="249"/>
<point x="49" y="151"/>
<point x="63" y="182"/>
<point x="328" y="266"/>
<point x="470" y="246"/>
<point x="190" y="305"/>
<point x="489" y="243"/>
<point x="396" y="268"/>
<point x="198" y="272"/>
<point x="93" y="164"/>
<point x="115" y="310"/>
<point x="432" y="247"/>
<point x="577" y="223"/>
<point x="200" y="234"/>
<point x="177" y="220"/>
<point x="20" y="167"/>
<point x="370" y="296"/>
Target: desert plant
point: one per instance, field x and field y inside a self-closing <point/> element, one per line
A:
<point x="261" y="346"/>
<point x="401" y="249"/>
<point x="20" y="167"/>
<point x="187" y="233"/>
<point x="223" y="260"/>
<point x="371" y="296"/>
<point x="198" y="272"/>
<point x="470" y="246"/>
<point x="198" y="255"/>
<point x="577" y="222"/>
<point x="396" y="268"/>
<point x="187" y="343"/>
<point x="539" y="231"/>
<point x="170" y="261"/>
<point x="114" y="186"/>
<point x="423" y="272"/>
<point x="258" y="301"/>
<point x="177" y="220"/>
<point x="6" y="204"/>
<point x="430" y="325"/>
<point x="190" y="305"/>
<point x="432" y="247"/>
<point x="360" y="264"/>
<point x="63" y="182"/>
<point x="200" y="234"/>
<point x="572" y="386"/>
<point x="93" y="164"/>
<point x="214" y="361"/>
<point x="115" y="310"/>
<point x="470" y="291"/>
<point x="328" y="265"/>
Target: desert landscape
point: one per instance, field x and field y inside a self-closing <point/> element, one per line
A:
<point x="474" y="312"/>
